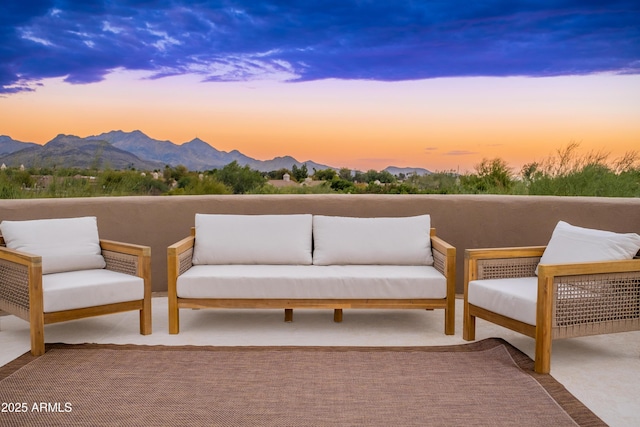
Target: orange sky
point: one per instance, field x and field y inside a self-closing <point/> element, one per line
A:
<point x="438" y="124"/>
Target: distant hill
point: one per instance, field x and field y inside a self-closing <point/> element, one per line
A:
<point x="195" y="154"/>
<point x="407" y="171"/>
<point x="124" y="150"/>
<point x="9" y="145"/>
<point x="74" y="152"/>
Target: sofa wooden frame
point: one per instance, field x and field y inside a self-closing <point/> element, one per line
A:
<point x="179" y="260"/>
<point x="21" y="291"/>
<point x="574" y="300"/>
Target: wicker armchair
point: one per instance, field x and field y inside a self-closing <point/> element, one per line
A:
<point x="22" y="294"/>
<point x="569" y="300"/>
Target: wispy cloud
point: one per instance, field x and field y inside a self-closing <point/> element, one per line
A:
<point x="343" y="39"/>
<point x="460" y="153"/>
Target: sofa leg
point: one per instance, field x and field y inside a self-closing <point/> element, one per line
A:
<point x="288" y="315"/>
<point x="337" y="315"/>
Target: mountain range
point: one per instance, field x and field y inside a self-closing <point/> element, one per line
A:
<point x="124" y="150"/>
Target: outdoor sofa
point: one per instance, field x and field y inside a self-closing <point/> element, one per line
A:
<point x="311" y="261"/>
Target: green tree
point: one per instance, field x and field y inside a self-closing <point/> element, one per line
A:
<point x="279" y="174"/>
<point x="324" y="174"/>
<point x="299" y="173"/>
<point x="342" y="185"/>
<point x="240" y="179"/>
<point x="346" y="174"/>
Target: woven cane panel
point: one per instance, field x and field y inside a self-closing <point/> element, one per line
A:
<point x="439" y="261"/>
<point x="14" y="287"/>
<point x="185" y="260"/>
<point x="596" y="304"/>
<point x="507" y="268"/>
<point x="9" y="308"/>
<point x="122" y="263"/>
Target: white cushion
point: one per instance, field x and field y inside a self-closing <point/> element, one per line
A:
<point x="388" y="241"/>
<point x="514" y="298"/>
<point x="89" y="288"/>
<point x="571" y="244"/>
<point x="312" y="282"/>
<point x="252" y="239"/>
<point x="65" y="244"/>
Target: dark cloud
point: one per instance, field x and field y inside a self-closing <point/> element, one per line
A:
<point x="303" y="40"/>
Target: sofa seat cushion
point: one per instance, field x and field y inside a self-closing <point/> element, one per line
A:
<point x="88" y="288"/>
<point x="312" y="282"/>
<point x="514" y="298"/>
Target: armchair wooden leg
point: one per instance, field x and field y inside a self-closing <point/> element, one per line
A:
<point x="145" y="318"/>
<point x="288" y="315"/>
<point x="468" y="325"/>
<point x="543" y="354"/>
<point x="37" y="334"/>
<point x="174" y="316"/>
<point x="450" y="319"/>
<point x="337" y="315"/>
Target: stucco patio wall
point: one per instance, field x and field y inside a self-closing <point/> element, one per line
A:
<point x="465" y="221"/>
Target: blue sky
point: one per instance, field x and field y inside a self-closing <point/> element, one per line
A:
<point x="236" y="40"/>
<point x="360" y="84"/>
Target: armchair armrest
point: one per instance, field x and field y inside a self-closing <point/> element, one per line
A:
<point x="135" y="260"/>
<point x="179" y="256"/>
<point x="589" y="268"/>
<point x="21" y="277"/>
<point x="589" y="298"/>
<point x="18" y="257"/>
<point x="178" y="261"/>
<point x="444" y="256"/>
<point x="444" y="260"/>
<point x="503" y="263"/>
<point x="504" y="253"/>
<point x="126" y="258"/>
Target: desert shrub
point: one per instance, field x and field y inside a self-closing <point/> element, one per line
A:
<point x="193" y="185"/>
<point x="323" y="188"/>
<point x="8" y="188"/>
<point x="437" y="182"/>
<point x="120" y="183"/>
<point x="342" y="185"/>
<point x="492" y="176"/>
<point x="569" y="173"/>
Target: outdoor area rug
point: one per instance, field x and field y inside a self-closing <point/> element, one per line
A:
<point x="485" y="383"/>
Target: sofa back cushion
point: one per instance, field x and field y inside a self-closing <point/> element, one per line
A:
<point x="252" y="239"/>
<point x="388" y="241"/>
<point x="571" y="244"/>
<point x="65" y="244"/>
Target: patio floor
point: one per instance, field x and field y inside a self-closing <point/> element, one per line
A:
<point x="602" y="371"/>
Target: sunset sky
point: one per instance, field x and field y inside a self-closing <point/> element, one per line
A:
<point x="359" y="84"/>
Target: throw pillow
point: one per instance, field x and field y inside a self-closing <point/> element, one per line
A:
<point x="571" y="244"/>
